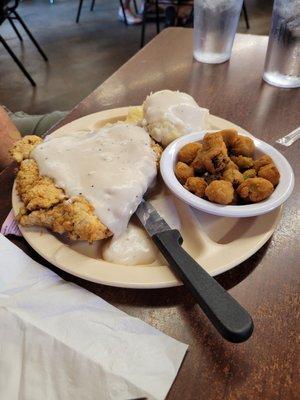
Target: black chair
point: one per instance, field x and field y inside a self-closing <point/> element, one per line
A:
<point x="154" y="4"/>
<point x="177" y="4"/>
<point x="8" y="12"/>
<point x="93" y="5"/>
<point x="245" y="12"/>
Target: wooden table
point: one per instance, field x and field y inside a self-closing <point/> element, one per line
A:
<point x="267" y="284"/>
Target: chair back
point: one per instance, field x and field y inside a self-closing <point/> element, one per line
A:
<point x="2" y="8"/>
<point x="5" y="7"/>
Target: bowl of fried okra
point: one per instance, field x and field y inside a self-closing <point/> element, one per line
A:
<point x="227" y="173"/>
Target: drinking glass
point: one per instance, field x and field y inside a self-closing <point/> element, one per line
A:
<point x="215" y="24"/>
<point x="282" y="66"/>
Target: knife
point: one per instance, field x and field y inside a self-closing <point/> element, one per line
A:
<point x="231" y="320"/>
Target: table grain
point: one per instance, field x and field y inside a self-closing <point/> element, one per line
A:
<point x="267" y="366"/>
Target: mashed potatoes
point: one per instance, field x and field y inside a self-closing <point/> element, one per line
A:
<point x="170" y="114"/>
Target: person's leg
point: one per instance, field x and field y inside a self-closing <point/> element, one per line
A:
<point x="9" y="134"/>
<point x="36" y="124"/>
<point x="183" y="12"/>
<point x="131" y="18"/>
<point x="177" y="15"/>
<point x="170" y="16"/>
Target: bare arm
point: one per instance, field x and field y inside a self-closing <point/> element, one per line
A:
<point x="9" y="134"/>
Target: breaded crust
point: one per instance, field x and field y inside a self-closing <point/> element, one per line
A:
<point x="47" y="205"/>
<point x="22" y="148"/>
<point x="37" y="191"/>
<point x="75" y="217"/>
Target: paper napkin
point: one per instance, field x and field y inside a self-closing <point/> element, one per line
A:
<point x="59" y="341"/>
<point x="10" y="226"/>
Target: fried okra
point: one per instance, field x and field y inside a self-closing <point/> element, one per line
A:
<point x="242" y="162"/>
<point x="229" y="136"/>
<point x="235" y="199"/>
<point x="243" y="146"/>
<point x="255" y="190"/>
<point x="213" y="160"/>
<point x="220" y="192"/>
<point x="222" y="169"/>
<point x="233" y="176"/>
<point x="249" y="173"/>
<point x="196" y="185"/>
<point x="188" y="152"/>
<point x="197" y="163"/>
<point x="211" y="177"/>
<point x="183" y="172"/>
<point x="212" y="140"/>
<point x="262" y="161"/>
<point x="213" y="157"/>
<point x="231" y="165"/>
<point x="270" y="172"/>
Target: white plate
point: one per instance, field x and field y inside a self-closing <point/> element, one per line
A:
<point x="217" y="243"/>
<point x="281" y="193"/>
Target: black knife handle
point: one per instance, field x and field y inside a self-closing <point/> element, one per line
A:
<point x="232" y="321"/>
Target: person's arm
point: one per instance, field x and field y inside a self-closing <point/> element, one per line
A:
<point x="9" y="134"/>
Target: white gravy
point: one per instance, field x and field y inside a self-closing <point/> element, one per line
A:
<point x="112" y="168"/>
<point x="134" y="246"/>
<point x="180" y="109"/>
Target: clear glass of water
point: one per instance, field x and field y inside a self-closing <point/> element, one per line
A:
<point x="282" y="66"/>
<point x="215" y="24"/>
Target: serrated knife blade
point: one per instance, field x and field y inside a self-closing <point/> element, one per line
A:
<point x="150" y="218"/>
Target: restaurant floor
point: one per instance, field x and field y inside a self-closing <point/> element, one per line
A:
<point x="81" y="56"/>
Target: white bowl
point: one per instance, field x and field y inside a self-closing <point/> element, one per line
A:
<point x="280" y="194"/>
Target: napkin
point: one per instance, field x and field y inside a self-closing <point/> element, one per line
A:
<point x="59" y="341"/>
<point x="10" y="226"/>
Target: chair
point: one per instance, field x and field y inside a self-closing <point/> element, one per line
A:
<point x="93" y="5"/>
<point x="246" y="15"/>
<point x="157" y="3"/>
<point x="177" y="4"/>
<point x="8" y="12"/>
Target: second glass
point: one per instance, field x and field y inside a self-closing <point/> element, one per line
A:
<point x="282" y="66"/>
<point x="215" y="24"/>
